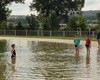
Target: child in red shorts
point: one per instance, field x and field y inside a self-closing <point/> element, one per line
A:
<point x="88" y="44"/>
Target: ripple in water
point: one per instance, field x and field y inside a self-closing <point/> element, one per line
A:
<point x="48" y="61"/>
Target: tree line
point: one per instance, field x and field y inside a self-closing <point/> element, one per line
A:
<point x="51" y="13"/>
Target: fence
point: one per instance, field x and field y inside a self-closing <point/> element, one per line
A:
<point x="45" y="33"/>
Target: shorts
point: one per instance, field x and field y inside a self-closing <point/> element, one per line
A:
<point x="98" y="38"/>
<point x="13" y="56"/>
<point x="76" y="45"/>
<point x="87" y="46"/>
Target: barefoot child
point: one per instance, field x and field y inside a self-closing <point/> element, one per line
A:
<point x="76" y="43"/>
<point x="13" y="52"/>
<point x="98" y="37"/>
<point x="88" y="44"/>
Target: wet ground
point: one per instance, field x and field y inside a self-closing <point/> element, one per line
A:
<point x="48" y="61"/>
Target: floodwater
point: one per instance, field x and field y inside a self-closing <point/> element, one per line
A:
<point x="48" y="61"/>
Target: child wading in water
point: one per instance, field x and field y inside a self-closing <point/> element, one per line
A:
<point x="88" y="44"/>
<point x="76" y="43"/>
<point x="98" y="37"/>
<point x="13" y="52"/>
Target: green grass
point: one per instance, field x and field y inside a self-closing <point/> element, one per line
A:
<point x="48" y="37"/>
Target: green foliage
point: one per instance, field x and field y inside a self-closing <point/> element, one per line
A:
<point x="98" y="22"/>
<point x="52" y="21"/>
<point x="98" y="19"/>
<point x="77" y="22"/>
<point x="42" y="21"/>
<point x="98" y="16"/>
<point x="4" y="10"/>
<point x="11" y="26"/>
<point x="3" y="25"/>
<point x="32" y="21"/>
<point x="56" y="10"/>
<point x="61" y="7"/>
<point x="20" y="26"/>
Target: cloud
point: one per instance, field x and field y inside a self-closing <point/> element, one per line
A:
<point x="21" y="9"/>
<point x="92" y="5"/>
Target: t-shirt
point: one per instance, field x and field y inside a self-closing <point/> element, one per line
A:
<point x="87" y="41"/>
<point x="76" y="41"/>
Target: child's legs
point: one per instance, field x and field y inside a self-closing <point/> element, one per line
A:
<point x="88" y="50"/>
<point x="77" y="49"/>
<point x="99" y="42"/>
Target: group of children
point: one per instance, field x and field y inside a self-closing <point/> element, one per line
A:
<point x="77" y="42"/>
<point x="87" y="43"/>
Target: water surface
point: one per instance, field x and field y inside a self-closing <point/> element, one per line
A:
<point x="48" y="61"/>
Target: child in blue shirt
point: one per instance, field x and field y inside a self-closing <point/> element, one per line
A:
<point x="76" y="43"/>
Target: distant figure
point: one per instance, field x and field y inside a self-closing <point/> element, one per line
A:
<point x="13" y="52"/>
<point x="98" y="37"/>
<point x="88" y="44"/>
<point x="76" y="43"/>
<point x="89" y="32"/>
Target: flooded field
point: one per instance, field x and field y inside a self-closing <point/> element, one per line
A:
<point x="48" y="61"/>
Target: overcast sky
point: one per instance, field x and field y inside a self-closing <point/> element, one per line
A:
<point x="23" y="9"/>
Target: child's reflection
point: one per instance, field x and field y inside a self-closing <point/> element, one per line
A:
<point x="76" y="57"/>
<point x="13" y="62"/>
<point x="87" y="59"/>
<point x="98" y="55"/>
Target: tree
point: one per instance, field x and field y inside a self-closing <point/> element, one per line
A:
<point x="20" y="26"/>
<point x="76" y="22"/>
<point x="4" y="10"/>
<point x="3" y="25"/>
<point x="61" y="7"/>
<point x="98" y="18"/>
<point x="32" y="21"/>
<point x="10" y="26"/>
<point x="49" y="23"/>
<point x="54" y="20"/>
<point x="42" y="21"/>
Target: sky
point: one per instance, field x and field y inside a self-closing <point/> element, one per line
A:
<point x="23" y="9"/>
<point x="91" y="5"/>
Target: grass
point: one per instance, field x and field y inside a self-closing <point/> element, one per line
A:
<point x="48" y="37"/>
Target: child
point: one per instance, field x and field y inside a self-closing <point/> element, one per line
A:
<point x="98" y="37"/>
<point x="13" y="52"/>
<point x="88" y="44"/>
<point x="76" y="43"/>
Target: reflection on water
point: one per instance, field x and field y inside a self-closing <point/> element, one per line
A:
<point x="87" y="59"/>
<point x="48" y="61"/>
<point x="2" y="46"/>
<point x="13" y="62"/>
